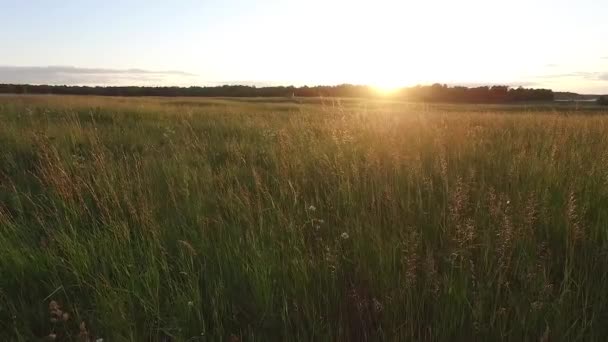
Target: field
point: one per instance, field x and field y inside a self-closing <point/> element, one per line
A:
<point x="281" y="220"/>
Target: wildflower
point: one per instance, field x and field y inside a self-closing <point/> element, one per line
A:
<point x="55" y="312"/>
<point x="312" y="208"/>
<point x="53" y="306"/>
<point x="51" y="337"/>
<point x="344" y="236"/>
<point x="190" y="303"/>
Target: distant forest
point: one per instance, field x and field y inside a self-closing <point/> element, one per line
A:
<point x="432" y="93"/>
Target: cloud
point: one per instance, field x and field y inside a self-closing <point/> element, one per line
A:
<point x="551" y="65"/>
<point x="69" y="75"/>
<point x="586" y="75"/>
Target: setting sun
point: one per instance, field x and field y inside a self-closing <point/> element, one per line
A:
<point x="385" y="88"/>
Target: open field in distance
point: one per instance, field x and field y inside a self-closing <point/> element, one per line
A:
<point x="183" y="219"/>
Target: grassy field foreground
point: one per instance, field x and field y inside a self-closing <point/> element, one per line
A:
<point x="198" y="220"/>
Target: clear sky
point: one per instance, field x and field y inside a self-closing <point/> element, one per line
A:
<point x="561" y="44"/>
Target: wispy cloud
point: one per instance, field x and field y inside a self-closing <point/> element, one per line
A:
<point x="70" y="75"/>
<point x="586" y="75"/>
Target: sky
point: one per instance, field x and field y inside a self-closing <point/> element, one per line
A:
<point x="557" y="44"/>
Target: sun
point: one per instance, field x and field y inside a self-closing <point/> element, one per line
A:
<point x="386" y="86"/>
<point x="384" y="89"/>
<point x="386" y="77"/>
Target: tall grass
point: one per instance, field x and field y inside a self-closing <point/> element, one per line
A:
<point x="223" y="220"/>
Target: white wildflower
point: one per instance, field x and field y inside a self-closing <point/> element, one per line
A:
<point x="344" y="236"/>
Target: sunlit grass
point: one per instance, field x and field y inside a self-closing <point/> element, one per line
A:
<point x="331" y="220"/>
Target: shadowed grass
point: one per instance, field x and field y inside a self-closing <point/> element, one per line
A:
<point x="206" y="219"/>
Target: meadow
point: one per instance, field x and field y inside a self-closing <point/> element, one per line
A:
<point x="182" y="219"/>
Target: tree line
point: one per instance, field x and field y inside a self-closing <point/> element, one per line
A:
<point x="485" y="94"/>
<point x="432" y="93"/>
